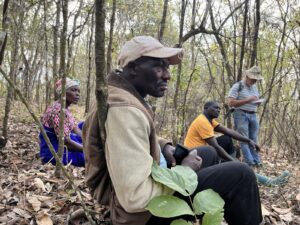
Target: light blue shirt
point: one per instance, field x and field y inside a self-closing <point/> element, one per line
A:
<point x="163" y="161"/>
<point x="245" y="92"/>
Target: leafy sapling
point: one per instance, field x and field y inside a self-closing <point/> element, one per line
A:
<point x="184" y="181"/>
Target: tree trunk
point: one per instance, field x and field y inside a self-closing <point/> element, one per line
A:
<point x="242" y="53"/>
<point x="111" y="35"/>
<point x="163" y="21"/>
<point x="101" y="82"/>
<point x="48" y="96"/>
<point x="255" y="36"/>
<point x="177" y="87"/>
<point x="55" y="45"/>
<point x="88" y="83"/>
<point x="62" y="72"/>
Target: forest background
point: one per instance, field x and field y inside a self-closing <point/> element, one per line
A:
<point x="47" y="39"/>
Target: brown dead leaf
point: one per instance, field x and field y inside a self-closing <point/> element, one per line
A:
<point x="264" y="211"/>
<point x="298" y="197"/>
<point x="281" y="211"/>
<point x="43" y="218"/>
<point x="22" y="213"/>
<point x="39" y="184"/>
<point x="35" y="203"/>
<point x="288" y="217"/>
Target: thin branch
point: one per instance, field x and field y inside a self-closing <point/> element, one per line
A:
<point x="63" y="169"/>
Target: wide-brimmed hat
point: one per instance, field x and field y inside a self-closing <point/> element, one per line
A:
<point x="148" y="46"/>
<point x="253" y="73"/>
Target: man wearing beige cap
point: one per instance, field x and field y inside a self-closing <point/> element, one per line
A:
<point x="121" y="174"/>
<point x="244" y="97"/>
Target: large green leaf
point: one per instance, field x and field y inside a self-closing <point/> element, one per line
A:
<point x="181" y="222"/>
<point x="207" y="201"/>
<point x="167" y="206"/>
<point x="213" y="219"/>
<point x="181" y="179"/>
<point x="190" y="178"/>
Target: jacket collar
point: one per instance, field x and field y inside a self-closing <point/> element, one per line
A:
<point x="115" y="79"/>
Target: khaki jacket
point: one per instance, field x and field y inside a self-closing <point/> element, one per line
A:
<point x="122" y="173"/>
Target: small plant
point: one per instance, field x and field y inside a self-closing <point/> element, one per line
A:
<point x="184" y="180"/>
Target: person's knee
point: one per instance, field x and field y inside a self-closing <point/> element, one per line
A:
<point x="212" y="151"/>
<point x="244" y="170"/>
<point x="208" y="151"/>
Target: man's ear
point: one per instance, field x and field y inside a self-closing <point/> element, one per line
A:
<point x="132" y="69"/>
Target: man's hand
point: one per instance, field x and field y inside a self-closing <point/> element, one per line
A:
<point x="254" y="145"/>
<point x="168" y="153"/>
<point x="252" y="98"/>
<point x="192" y="160"/>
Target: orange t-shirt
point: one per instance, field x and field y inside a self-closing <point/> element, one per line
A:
<point x="200" y="130"/>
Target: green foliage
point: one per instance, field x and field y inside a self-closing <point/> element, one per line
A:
<point x="184" y="180"/>
<point x="208" y="202"/>
<point x="181" y="179"/>
<point x="181" y="222"/>
<point x="213" y="219"/>
<point x="169" y="206"/>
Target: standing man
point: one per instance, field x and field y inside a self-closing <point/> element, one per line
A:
<point x="132" y="145"/>
<point x="244" y="96"/>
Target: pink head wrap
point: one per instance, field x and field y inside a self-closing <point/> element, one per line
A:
<point x="69" y="83"/>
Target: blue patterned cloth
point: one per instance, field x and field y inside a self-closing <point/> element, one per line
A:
<point x="75" y="157"/>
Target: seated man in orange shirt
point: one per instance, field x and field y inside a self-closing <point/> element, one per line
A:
<point x="202" y="133"/>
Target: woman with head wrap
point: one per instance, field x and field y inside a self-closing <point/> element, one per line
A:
<point x="73" y="151"/>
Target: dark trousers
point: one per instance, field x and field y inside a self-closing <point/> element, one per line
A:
<point x="226" y="143"/>
<point x="236" y="184"/>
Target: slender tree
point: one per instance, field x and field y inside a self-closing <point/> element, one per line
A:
<point x="101" y="83"/>
<point x="163" y="21"/>
<point x="55" y="44"/>
<point x="255" y="35"/>
<point x="111" y="36"/>
<point x="244" y="34"/>
<point x="62" y="72"/>
<point x="88" y="83"/>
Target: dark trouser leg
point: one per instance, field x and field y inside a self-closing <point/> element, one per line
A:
<point x="209" y="156"/>
<point x="236" y="183"/>
<point x="226" y="143"/>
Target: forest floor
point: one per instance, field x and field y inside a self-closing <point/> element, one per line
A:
<point x="31" y="194"/>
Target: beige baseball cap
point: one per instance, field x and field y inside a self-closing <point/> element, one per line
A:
<point x="148" y="46"/>
<point x="253" y="73"/>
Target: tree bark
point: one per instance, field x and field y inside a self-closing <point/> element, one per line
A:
<point x="55" y="45"/>
<point x="255" y="36"/>
<point x="88" y="83"/>
<point x="111" y="35"/>
<point x="48" y="96"/>
<point x="242" y="53"/>
<point x="101" y="82"/>
<point x="62" y="72"/>
<point x="163" y="21"/>
<point x="177" y="86"/>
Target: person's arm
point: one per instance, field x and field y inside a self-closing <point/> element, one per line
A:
<point x="128" y="158"/>
<point x="221" y="152"/>
<point x="192" y="160"/>
<point x="77" y="131"/>
<point x="236" y="136"/>
<point x="73" y="145"/>
<point x="233" y="102"/>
